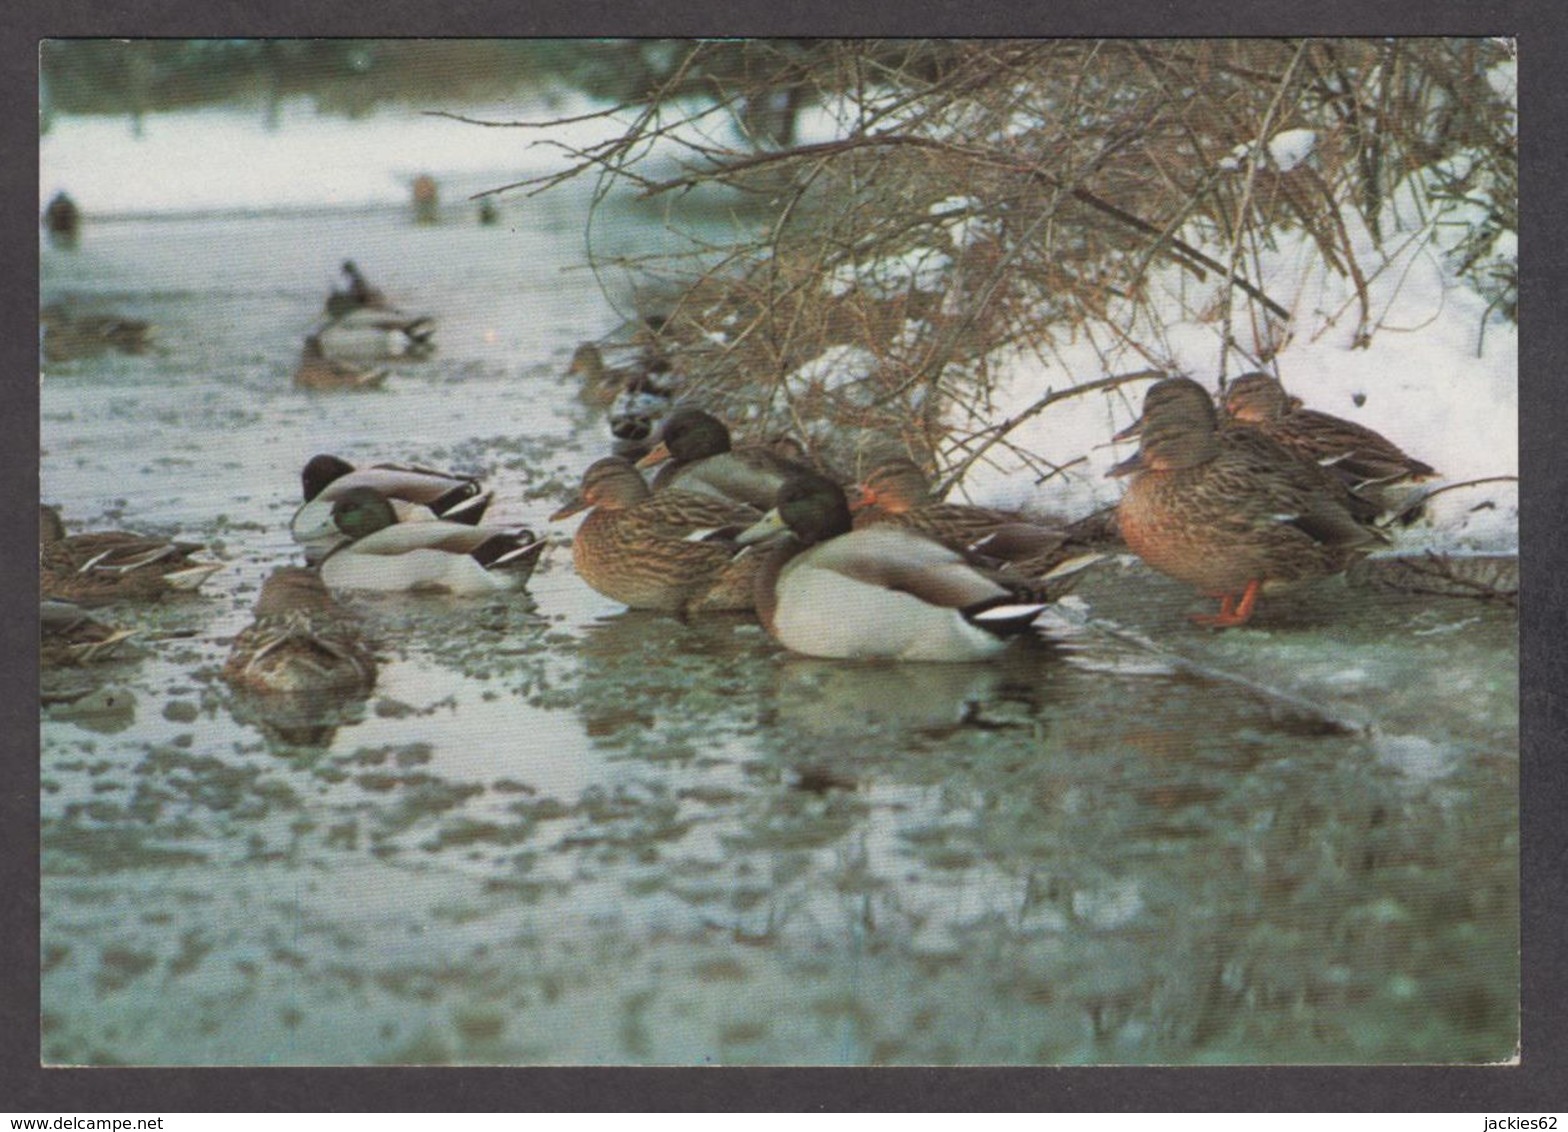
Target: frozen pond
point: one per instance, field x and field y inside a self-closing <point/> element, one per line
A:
<point x="563" y="833"/>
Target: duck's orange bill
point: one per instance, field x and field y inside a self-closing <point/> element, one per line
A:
<point x="660" y="453"/>
<point x="864" y="497"/>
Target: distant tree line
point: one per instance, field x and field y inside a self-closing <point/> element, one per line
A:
<point x="767" y="80"/>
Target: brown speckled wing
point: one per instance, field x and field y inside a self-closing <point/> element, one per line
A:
<point x="1359" y="453"/>
<point x="645" y="556"/>
<point x="1257" y="466"/>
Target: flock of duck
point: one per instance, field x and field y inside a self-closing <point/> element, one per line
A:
<point x="1235" y="499"/>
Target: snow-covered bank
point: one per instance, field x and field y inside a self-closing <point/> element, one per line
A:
<point x="1438" y="376"/>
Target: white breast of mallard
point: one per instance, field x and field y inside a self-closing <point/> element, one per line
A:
<point x="823" y="611"/>
<point x="417" y="569"/>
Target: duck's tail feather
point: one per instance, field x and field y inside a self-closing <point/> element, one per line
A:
<point x="510" y="550"/>
<point x="1006" y="615"/>
<point x="465" y="503"/>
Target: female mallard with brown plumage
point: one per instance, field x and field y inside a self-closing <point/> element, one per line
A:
<point x="673" y="551"/>
<point x="101" y="566"/>
<point x="898" y="493"/>
<point x="883" y="592"/>
<point x="1357" y="454"/>
<point x="300" y="642"/>
<point x="697" y="455"/>
<point x="68" y="635"/>
<point x="1228" y="510"/>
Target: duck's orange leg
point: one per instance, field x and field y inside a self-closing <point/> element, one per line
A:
<point x="1233" y="612"/>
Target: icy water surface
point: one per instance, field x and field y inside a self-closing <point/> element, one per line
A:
<point x="559" y="832"/>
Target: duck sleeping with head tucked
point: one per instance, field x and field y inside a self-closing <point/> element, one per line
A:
<point x="884" y="592"/>
<point x="326" y="479"/>
<point x="898" y="493"/>
<point x="300" y="642"/>
<point x="102" y="566"/>
<point x="385" y="552"/>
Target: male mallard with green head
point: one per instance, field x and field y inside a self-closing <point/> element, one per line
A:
<point x="384" y="553"/>
<point x="358" y="293"/>
<point x="361" y="324"/>
<point x="880" y="592"/>
<point x="326" y="478"/>
<point x="697" y="454"/>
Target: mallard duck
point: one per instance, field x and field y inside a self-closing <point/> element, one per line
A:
<point x="317" y="371"/>
<point x="695" y="449"/>
<point x="387" y="552"/>
<point x="370" y="333"/>
<point x="63" y="219"/>
<point x="68" y="334"/>
<point x="1354" y="452"/>
<point x="880" y="592"/>
<point x="68" y="634"/>
<point x="358" y="293"/>
<point x="361" y="324"/>
<point x="326" y="479"/>
<point x="101" y="566"/>
<point x="300" y="641"/>
<point x="650" y="373"/>
<point x="672" y="552"/>
<point x="1228" y="510"/>
<point x="636" y="414"/>
<point x="897" y="492"/>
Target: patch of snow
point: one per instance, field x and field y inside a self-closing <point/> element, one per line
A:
<point x="1235" y="158"/>
<point x="1414" y="756"/>
<point x="1289" y="148"/>
<point x="966" y="224"/>
<point x="919" y="268"/>
<point x="1438" y="376"/>
<point x="834" y="368"/>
